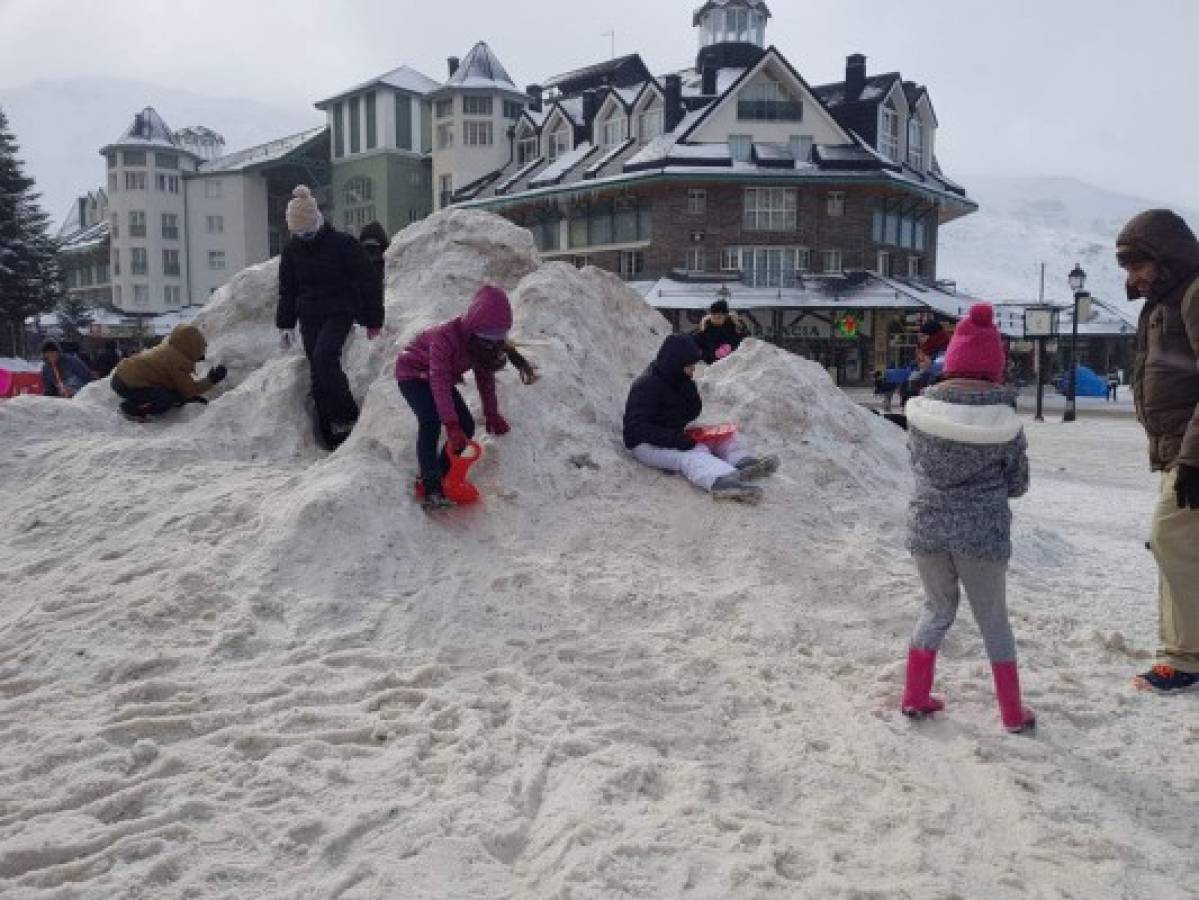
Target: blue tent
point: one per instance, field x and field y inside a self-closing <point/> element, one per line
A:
<point x="1088" y="385"/>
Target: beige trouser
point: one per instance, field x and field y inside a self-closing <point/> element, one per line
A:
<point x="1176" y="549"/>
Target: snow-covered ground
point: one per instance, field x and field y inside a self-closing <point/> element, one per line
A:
<point x="232" y="667"/>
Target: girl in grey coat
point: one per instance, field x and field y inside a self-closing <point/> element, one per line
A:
<point x="970" y="456"/>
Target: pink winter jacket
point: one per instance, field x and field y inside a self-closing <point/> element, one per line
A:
<point x="441" y="356"/>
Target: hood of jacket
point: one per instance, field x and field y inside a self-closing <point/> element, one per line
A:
<point x="676" y="353"/>
<point x="1165" y="237"/>
<point x="489" y="314"/>
<point x="964" y="422"/>
<point x="188" y="340"/>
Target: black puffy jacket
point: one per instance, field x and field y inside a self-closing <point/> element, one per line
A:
<point x="328" y="275"/>
<point x="712" y="337"/>
<point x="665" y="400"/>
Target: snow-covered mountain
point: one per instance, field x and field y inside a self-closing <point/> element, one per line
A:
<point x="62" y="124"/>
<point x="997" y="253"/>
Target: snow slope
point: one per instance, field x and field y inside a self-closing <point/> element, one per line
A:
<point x="997" y="252"/>
<point x="233" y="666"/>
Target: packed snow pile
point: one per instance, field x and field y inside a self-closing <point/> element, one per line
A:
<point x="231" y="665"/>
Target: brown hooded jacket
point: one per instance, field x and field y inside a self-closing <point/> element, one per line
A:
<point x="1166" y="376"/>
<point x="169" y="365"/>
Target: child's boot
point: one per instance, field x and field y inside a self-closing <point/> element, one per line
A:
<point x="752" y="467"/>
<point x="918" y="702"/>
<point x="1017" y="717"/>
<point x="731" y="487"/>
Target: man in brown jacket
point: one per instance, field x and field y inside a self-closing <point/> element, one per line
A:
<point x="159" y="379"/>
<point x="1161" y="258"/>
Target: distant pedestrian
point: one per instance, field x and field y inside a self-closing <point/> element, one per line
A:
<point x="1160" y="255"/>
<point x="720" y="333"/>
<point x="63" y="374"/>
<point x="970" y="456"/>
<point x="1113" y="387"/>
<point x="107" y="359"/>
<point x="374" y="241"/>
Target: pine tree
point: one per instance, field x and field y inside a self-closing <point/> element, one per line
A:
<point x="74" y="315"/>
<point x="30" y="282"/>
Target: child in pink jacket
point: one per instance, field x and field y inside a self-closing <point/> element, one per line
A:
<point x="432" y="365"/>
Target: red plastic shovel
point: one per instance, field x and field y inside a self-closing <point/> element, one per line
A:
<point x="710" y="434"/>
<point x="454" y="484"/>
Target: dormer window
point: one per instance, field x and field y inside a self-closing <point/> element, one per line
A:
<point x="559" y="142"/>
<point x="916" y="153"/>
<point x="527" y="149"/>
<point x="612" y="131"/>
<point x="649" y="124"/>
<point x="888" y="134"/>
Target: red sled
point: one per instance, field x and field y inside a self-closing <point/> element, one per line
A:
<point x="454" y="485"/>
<point x="710" y="434"/>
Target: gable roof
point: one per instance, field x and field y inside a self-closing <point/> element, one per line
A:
<point x="481" y="69"/>
<point x="263" y="154"/>
<point x="404" y="78"/>
<point x="917" y="92"/>
<point x="730" y="92"/>
<point x="623" y="71"/>
<point x="874" y="89"/>
<point x="147" y="130"/>
<point x="756" y="5"/>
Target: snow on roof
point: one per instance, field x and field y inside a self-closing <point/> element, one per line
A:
<point x="614" y="152"/>
<point x="521" y="173"/>
<point x="629" y="95"/>
<point x="573" y="107"/>
<point x="480" y="69"/>
<point x="404" y="78"/>
<point x="148" y="130"/>
<point x="563" y="164"/>
<point x="593" y="70"/>
<point x="537" y="116"/>
<point x="261" y="155"/>
<point x="774" y="152"/>
<point x="87" y="239"/>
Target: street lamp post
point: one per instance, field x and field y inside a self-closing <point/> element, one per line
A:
<point x="1078" y="281"/>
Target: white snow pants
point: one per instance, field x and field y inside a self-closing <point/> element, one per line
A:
<point x="702" y="465"/>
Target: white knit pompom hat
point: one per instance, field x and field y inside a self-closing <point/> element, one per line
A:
<point x="303" y="215"/>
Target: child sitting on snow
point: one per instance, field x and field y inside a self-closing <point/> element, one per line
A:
<point x="662" y="403"/>
<point x="970" y="456"/>
<point x="430" y="367"/>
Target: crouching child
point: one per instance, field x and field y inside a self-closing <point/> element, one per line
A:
<point x="662" y="403"/>
<point x="159" y="379"/>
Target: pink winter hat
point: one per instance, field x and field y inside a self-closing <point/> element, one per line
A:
<point x="303" y="215"/>
<point x="977" y="350"/>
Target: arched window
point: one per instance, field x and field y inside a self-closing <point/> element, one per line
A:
<point x="358" y="191"/>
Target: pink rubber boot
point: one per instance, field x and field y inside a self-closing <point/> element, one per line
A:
<point x="917" y="701"/>
<point x="1017" y="717"/>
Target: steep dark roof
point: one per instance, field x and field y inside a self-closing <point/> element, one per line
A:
<point x="624" y="71"/>
<point x="874" y="90"/>
<point x="758" y="5"/>
<point x="481" y="68"/>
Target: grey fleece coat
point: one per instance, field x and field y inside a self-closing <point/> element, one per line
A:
<point x="969" y="455"/>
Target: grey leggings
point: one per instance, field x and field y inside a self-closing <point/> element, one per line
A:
<point x="985" y="581"/>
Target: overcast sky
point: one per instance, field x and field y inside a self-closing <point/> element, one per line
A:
<point x="1099" y="89"/>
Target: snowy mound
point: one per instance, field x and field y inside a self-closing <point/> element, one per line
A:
<point x="231" y="665"/>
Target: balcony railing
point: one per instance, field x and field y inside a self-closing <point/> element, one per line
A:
<point x="770" y="111"/>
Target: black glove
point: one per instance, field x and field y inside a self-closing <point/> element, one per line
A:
<point x="1186" y="488"/>
<point x="217" y="374"/>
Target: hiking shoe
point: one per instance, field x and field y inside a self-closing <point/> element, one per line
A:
<point x="731" y="487"/>
<point x="1165" y="680"/>
<point x="751" y="467"/>
<point x="435" y="501"/>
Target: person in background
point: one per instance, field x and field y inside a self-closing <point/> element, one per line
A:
<point x="429" y="369"/>
<point x="159" y="379"/>
<point x="969" y="456"/>
<point x="1160" y="256"/>
<point x="63" y="374"/>
<point x="936" y="339"/>
<point x="1113" y="386"/>
<point x="326" y="283"/>
<point x="660" y="406"/>
<point x="107" y="359"/>
<point x="720" y="333"/>
<point x="374" y="241"/>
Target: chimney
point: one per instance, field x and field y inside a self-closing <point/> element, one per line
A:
<point x="672" y="102"/>
<point x="855" y="76"/>
<point x="453" y="63"/>
<point x="709" y="87"/>
<point x="534" y="92"/>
